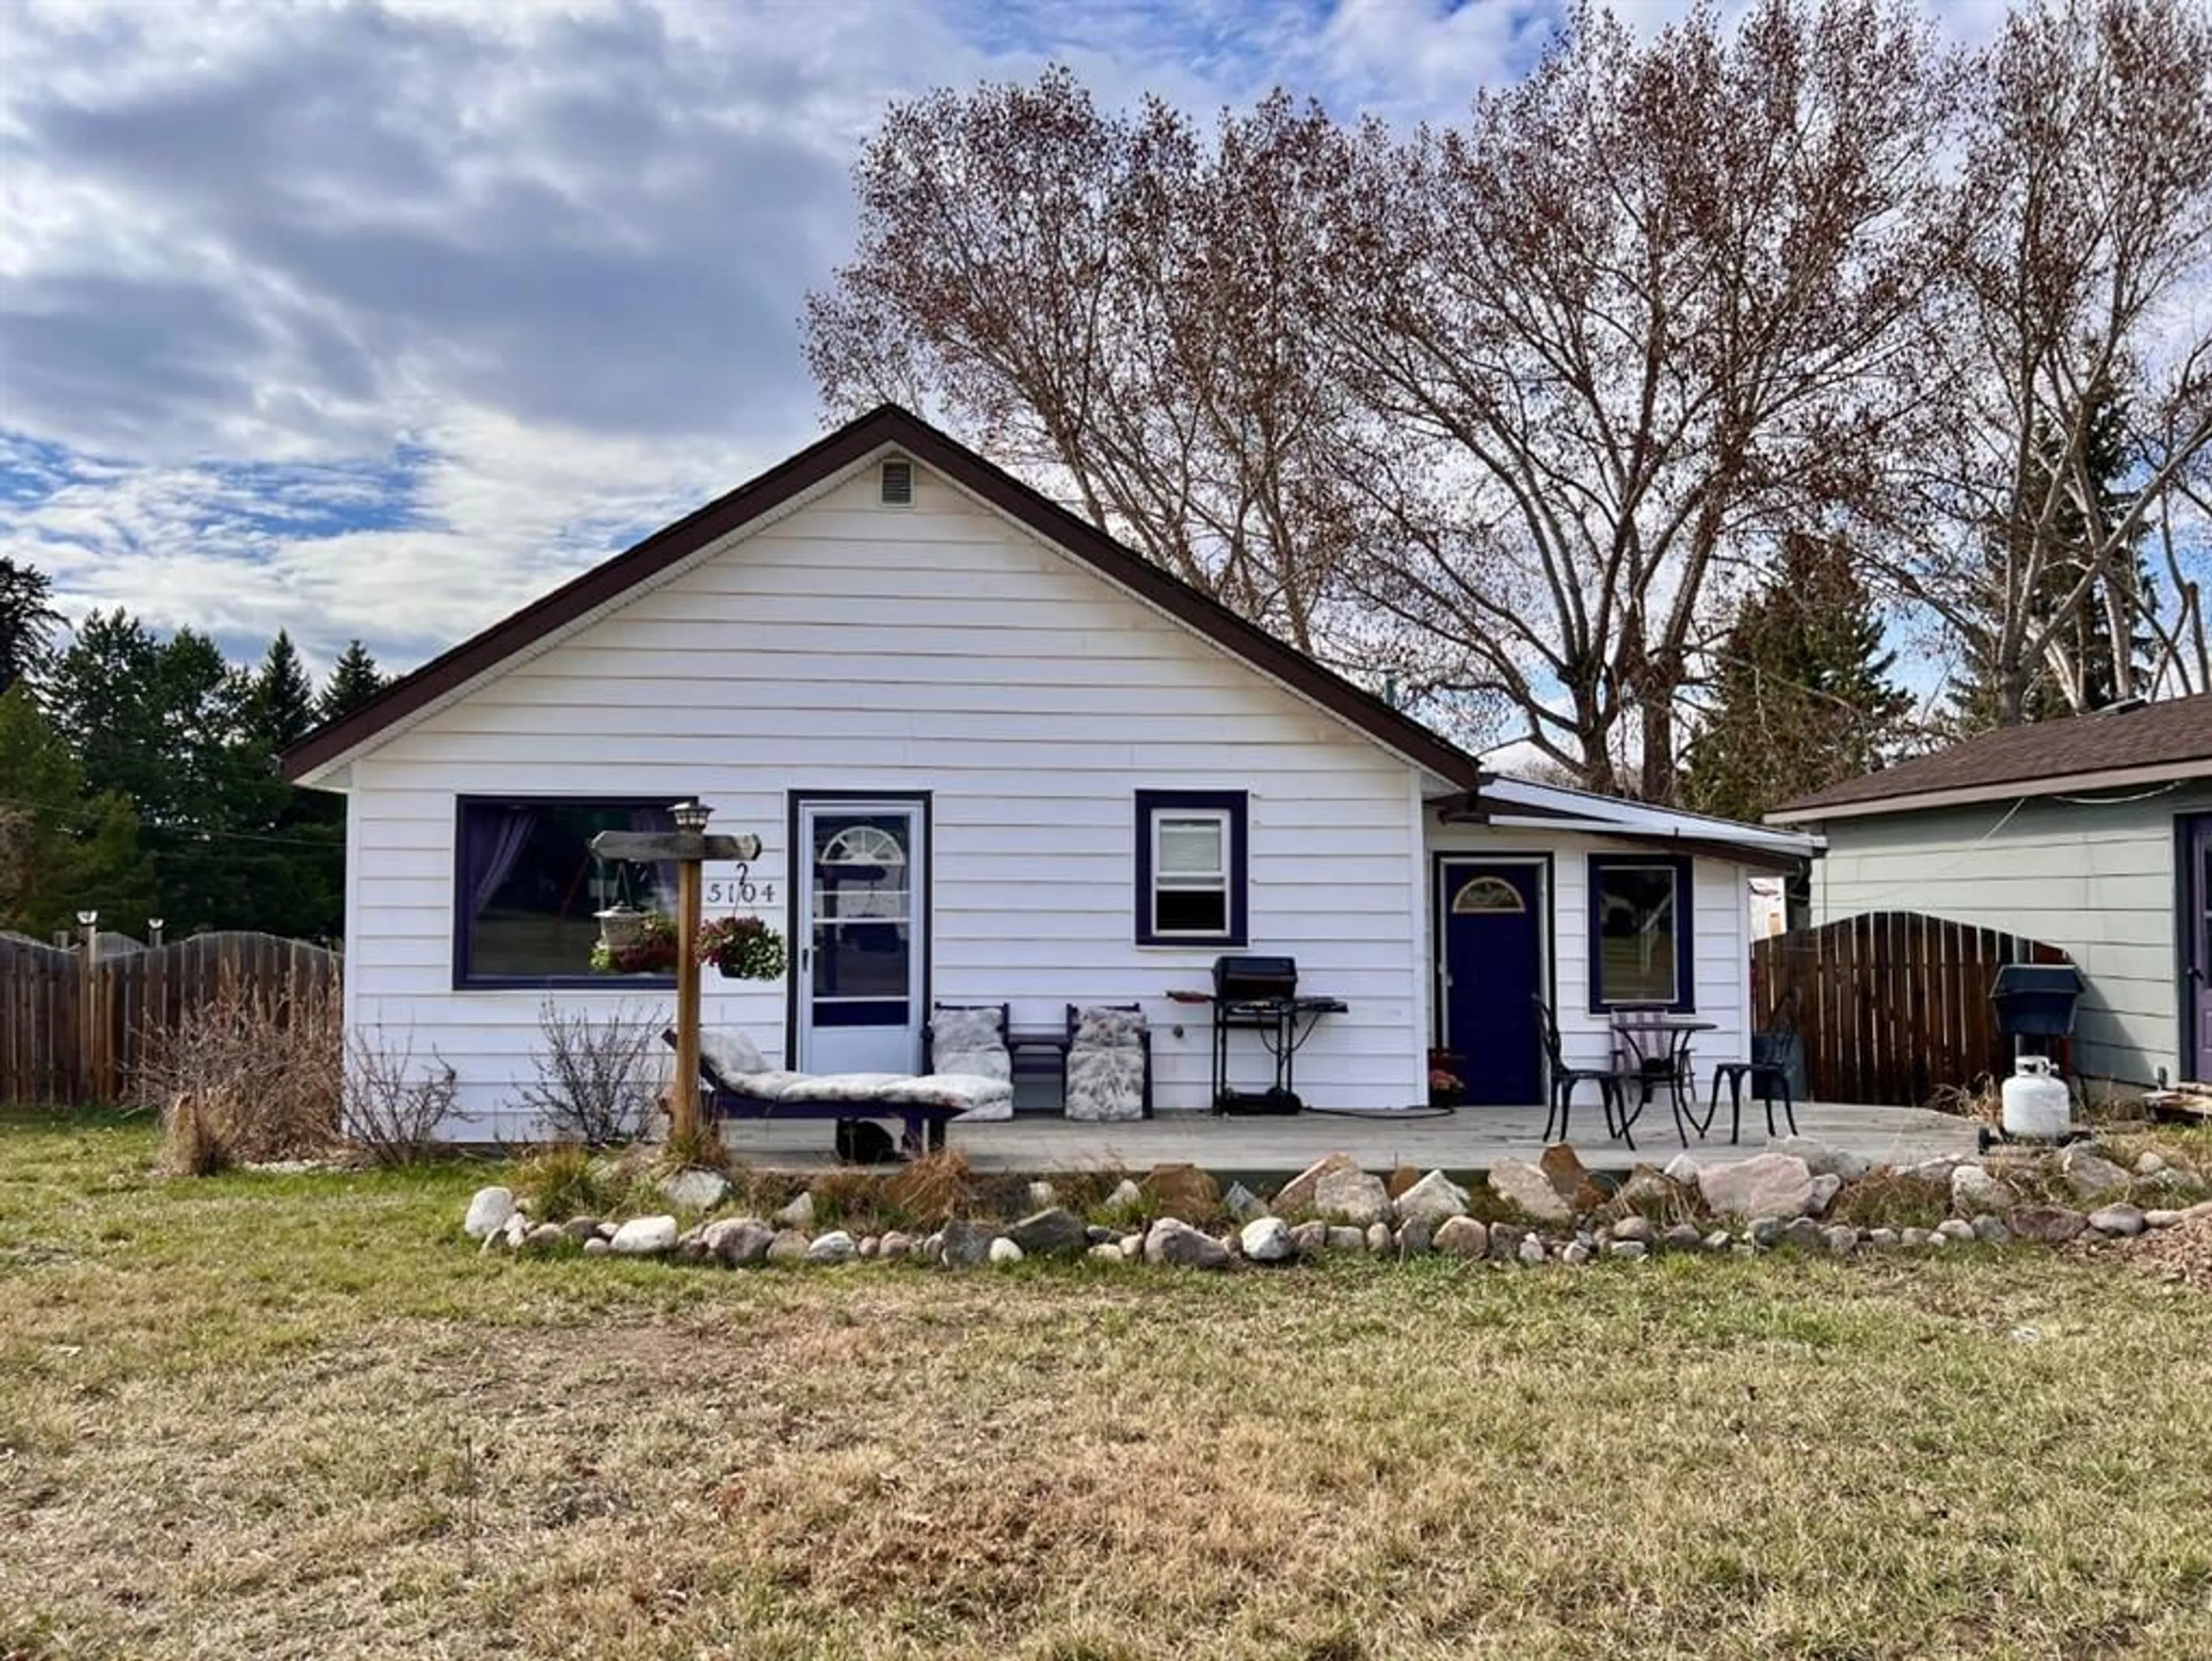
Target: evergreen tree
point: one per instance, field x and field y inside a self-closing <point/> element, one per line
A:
<point x="283" y="699"/>
<point x="28" y="621"/>
<point x="354" y="680"/>
<point x="62" y="850"/>
<point x="1803" y="697"/>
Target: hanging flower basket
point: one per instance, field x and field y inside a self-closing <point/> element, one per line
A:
<point x="741" y="948"/>
<point x="635" y="942"/>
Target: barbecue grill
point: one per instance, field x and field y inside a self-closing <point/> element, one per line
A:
<point x="1259" y="992"/>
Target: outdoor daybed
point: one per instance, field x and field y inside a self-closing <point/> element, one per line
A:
<point x="744" y="1086"/>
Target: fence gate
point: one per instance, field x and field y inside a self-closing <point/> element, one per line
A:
<point x="70" y="1035"/>
<point x="1893" y="1007"/>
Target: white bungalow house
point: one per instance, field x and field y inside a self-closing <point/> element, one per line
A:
<point x="887" y="655"/>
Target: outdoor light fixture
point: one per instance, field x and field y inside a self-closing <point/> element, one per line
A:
<point x="691" y="815"/>
<point x="87" y="918"/>
<point x="154" y="923"/>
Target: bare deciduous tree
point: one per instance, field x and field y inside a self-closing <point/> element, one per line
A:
<point x="2086" y="194"/>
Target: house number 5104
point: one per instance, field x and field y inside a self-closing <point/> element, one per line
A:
<point x="739" y="889"/>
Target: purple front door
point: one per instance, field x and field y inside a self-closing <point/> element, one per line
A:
<point x="2195" y="887"/>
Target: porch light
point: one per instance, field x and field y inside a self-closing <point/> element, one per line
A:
<point x="87" y="918"/>
<point x="692" y="816"/>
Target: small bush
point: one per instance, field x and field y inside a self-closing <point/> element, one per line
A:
<point x="567" y="1179"/>
<point x="392" y="1110"/>
<point x="247" y="1077"/>
<point x="599" y="1076"/>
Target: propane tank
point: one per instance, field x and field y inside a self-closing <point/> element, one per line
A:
<point x="2036" y="1105"/>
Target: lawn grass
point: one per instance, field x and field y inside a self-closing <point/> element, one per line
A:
<point x="291" y="1416"/>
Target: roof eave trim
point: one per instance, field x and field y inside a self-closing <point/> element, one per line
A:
<point x="2009" y="790"/>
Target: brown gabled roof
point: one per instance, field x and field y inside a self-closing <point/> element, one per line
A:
<point x="2144" y="745"/>
<point x="886" y="425"/>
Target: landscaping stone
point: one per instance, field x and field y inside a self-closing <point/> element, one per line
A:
<point x="835" y="1247"/>
<point x="1042" y="1195"/>
<point x="1401" y="1178"/>
<point x="1297" y="1194"/>
<point x="1431" y="1199"/>
<point x="1242" y="1203"/>
<point x="1826" y="1186"/>
<point x="2150" y="1163"/>
<point x="1937" y="1170"/>
<point x="1352" y="1195"/>
<point x="1682" y="1236"/>
<point x="966" y="1244"/>
<point x="1883" y="1237"/>
<point x="896" y="1247"/>
<point x="1005" y="1251"/>
<point x="1716" y="1241"/>
<point x="1841" y="1239"/>
<point x="1765" y="1185"/>
<point x="488" y="1210"/>
<point x="790" y="1245"/>
<point x="1532" y="1250"/>
<point x="1041" y="1233"/>
<point x="1126" y="1196"/>
<point x="1974" y="1189"/>
<point x="1505" y="1241"/>
<point x="1462" y="1236"/>
<point x="1766" y="1230"/>
<point x="1631" y="1249"/>
<point x="738" y="1241"/>
<point x="2090" y="1175"/>
<point x="2162" y="1218"/>
<point x="1413" y="1238"/>
<point x="1132" y="1246"/>
<point x="1267" y="1240"/>
<point x="1527" y="1187"/>
<point x="2045" y="1225"/>
<point x="1917" y="1238"/>
<point x="1682" y="1169"/>
<point x="1989" y="1230"/>
<point x="545" y="1237"/>
<point x="606" y="1229"/>
<point x="1574" y="1252"/>
<point x="1647" y="1191"/>
<point x="1954" y="1229"/>
<point x="690" y="1249"/>
<point x="595" y="1247"/>
<point x="695" y="1189"/>
<point x="1379" y="1238"/>
<point x="1822" y="1159"/>
<point x="1571" y="1180"/>
<point x="580" y="1228"/>
<point x="1174" y="1242"/>
<point x="1182" y="1191"/>
<point x="1106" y="1252"/>
<point x="644" y="1237"/>
<point x="1309" y="1237"/>
<point x="799" y="1214"/>
<point x="1636" y="1228"/>
<point x="515" y="1231"/>
<point x="2121" y="1220"/>
<point x="1343" y="1239"/>
<point x="1805" y="1235"/>
<point x="1099" y="1234"/>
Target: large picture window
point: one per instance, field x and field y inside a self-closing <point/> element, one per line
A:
<point x="526" y="886"/>
<point x="1190" y="867"/>
<point x="1640" y="946"/>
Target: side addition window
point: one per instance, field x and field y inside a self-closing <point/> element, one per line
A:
<point x="1190" y="867"/>
<point x="1640" y="945"/>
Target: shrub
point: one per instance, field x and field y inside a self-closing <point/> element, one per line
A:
<point x="598" y="1075"/>
<point x="567" y="1179"/>
<point x="246" y="1076"/>
<point x="393" y="1112"/>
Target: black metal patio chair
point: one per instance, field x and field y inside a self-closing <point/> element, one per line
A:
<point x="1773" y="1054"/>
<point x="1562" y="1078"/>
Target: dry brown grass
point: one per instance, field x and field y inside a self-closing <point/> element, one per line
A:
<point x="296" y="1416"/>
<point x="247" y="1077"/>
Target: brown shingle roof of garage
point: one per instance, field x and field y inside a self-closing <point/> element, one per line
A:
<point x="2141" y="744"/>
<point x="886" y="425"/>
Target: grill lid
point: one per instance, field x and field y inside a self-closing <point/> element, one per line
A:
<point x="1254" y="975"/>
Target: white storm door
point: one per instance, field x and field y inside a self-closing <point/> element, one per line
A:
<point x="862" y="937"/>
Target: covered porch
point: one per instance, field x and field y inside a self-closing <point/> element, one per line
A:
<point x="1471" y="1139"/>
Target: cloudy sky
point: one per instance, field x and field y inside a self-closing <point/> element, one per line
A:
<point x="379" y="319"/>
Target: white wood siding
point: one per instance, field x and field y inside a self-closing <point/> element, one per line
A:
<point x="1720" y="940"/>
<point x="850" y="646"/>
<point x="2094" y="878"/>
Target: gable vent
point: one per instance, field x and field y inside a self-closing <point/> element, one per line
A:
<point x="898" y="485"/>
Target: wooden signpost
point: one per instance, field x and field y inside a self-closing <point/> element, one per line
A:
<point x="687" y="848"/>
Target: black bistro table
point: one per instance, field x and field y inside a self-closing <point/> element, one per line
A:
<point x="1656" y="1043"/>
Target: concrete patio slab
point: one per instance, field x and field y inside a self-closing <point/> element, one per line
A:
<point x="1471" y="1139"/>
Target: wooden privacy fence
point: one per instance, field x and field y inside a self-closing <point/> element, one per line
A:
<point x="1893" y="1007"/>
<point x="67" y="1035"/>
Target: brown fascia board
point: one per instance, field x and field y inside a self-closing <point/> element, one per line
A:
<point x="887" y="425"/>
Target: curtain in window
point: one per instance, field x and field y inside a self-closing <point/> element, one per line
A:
<point x="664" y="873"/>
<point x="493" y="840"/>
